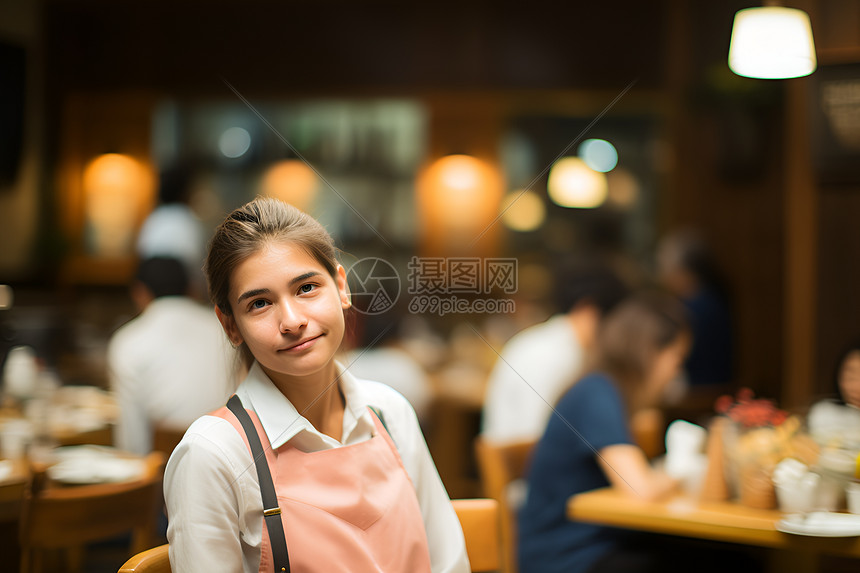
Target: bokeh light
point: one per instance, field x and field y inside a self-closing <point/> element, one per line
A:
<point x="623" y="188"/>
<point x="458" y="197"/>
<point x="118" y="191"/>
<point x="523" y="211"/>
<point x="572" y="183"/>
<point x="291" y="181"/>
<point x="234" y="142"/>
<point x="598" y="154"/>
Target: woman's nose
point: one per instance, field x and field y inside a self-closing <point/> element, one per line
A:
<point x="291" y="319"/>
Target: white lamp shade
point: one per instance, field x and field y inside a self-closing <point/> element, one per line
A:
<point x="772" y="42"/>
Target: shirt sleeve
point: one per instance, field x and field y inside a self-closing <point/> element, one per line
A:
<point x="205" y="497"/>
<point x="444" y="534"/>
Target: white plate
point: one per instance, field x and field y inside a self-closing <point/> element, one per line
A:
<point x="821" y="524"/>
<point x="93" y="464"/>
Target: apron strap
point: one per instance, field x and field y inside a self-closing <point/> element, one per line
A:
<point x="271" y="510"/>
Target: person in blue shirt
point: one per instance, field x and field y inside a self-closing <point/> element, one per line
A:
<point x="587" y="443"/>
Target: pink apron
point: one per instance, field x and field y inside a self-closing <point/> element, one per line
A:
<point x="351" y="508"/>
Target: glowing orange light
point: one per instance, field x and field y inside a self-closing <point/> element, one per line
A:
<point x="291" y="181"/>
<point x="459" y="192"/>
<point x="118" y="191"/>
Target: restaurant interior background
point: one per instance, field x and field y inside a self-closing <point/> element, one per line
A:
<point x="373" y="93"/>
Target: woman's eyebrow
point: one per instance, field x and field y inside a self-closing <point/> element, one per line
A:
<point x="251" y="293"/>
<point x="304" y="277"/>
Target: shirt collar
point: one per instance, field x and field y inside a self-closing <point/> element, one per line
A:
<point x="282" y="422"/>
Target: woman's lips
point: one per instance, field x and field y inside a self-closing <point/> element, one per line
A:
<point x="302" y="344"/>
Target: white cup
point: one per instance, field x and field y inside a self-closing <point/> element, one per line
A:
<point x="852" y="494"/>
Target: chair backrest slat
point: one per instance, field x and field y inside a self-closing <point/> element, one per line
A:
<point x="499" y="465"/>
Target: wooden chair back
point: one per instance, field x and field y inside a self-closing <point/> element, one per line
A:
<point x="67" y="518"/>
<point x="499" y="464"/>
<point x="155" y="560"/>
<point x="479" y="519"/>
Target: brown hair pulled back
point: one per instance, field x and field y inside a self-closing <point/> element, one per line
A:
<point x="250" y="228"/>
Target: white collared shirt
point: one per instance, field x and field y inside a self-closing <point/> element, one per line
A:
<point x="213" y="493"/>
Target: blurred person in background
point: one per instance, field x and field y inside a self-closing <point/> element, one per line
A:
<point x="539" y="363"/>
<point x="686" y="267"/>
<point x="640" y="348"/>
<point x="173" y="229"/>
<point x="169" y="365"/>
<point x="835" y="420"/>
<point x="847" y="375"/>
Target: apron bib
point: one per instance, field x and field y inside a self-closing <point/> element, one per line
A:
<point x="351" y="508"/>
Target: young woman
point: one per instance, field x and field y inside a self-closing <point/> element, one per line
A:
<point x="587" y="443"/>
<point x="353" y="486"/>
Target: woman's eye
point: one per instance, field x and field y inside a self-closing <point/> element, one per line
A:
<point x="306" y="288"/>
<point x="258" y="304"/>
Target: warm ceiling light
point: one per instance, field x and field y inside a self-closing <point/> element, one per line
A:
<point x="772" y="42"/>
<point x="459" y="191"/>
<point x="292" y="181"/>
<point x="117" y="192"/>
<point x="572" y="183"/>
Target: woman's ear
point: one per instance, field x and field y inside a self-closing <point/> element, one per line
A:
<point x="343" y="288"/>
<point x="228" y="323"/>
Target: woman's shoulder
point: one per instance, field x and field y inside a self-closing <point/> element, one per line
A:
<point x="212" y="437"/>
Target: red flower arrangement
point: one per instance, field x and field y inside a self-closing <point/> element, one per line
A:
<point x="748" y="411"/>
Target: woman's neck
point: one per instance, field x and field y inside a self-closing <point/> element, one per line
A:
<point x="316" y="397"/>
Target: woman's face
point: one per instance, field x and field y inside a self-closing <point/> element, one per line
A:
<point x="667" y="366"/>
<point x="849" y="378"/>
<point x="288" y="309"/>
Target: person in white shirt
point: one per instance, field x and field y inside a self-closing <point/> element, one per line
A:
<point x="340" y="478"/>
<point x="169" y="365"/>
<point x="539" y="363"/>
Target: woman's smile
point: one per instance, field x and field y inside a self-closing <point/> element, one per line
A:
<point x="304" y="344"/>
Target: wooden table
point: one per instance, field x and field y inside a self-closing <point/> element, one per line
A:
<point x="715" y="521"/>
